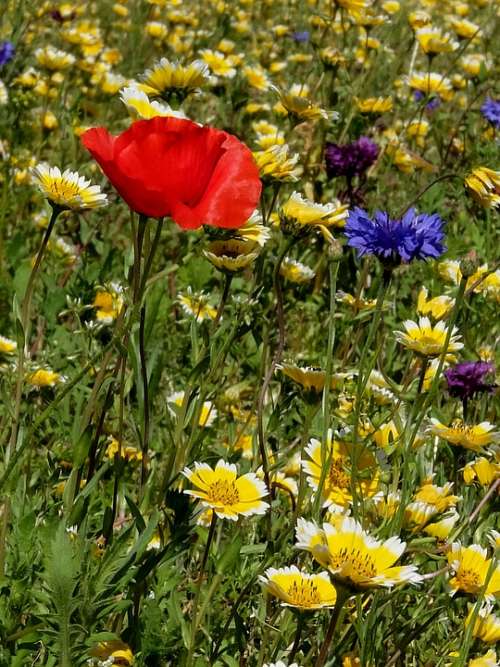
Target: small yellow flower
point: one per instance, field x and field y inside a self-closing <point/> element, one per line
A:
<point x="353" y="557"/>
<point x="356" y="303"/>
<point x="331" y="57"/>
<point x="481" y="469"/>
<point x="439" y="497"/>
<point x="464" y="28"/>
<point x="67" y="190"/>
<point x="113" y="652"/>
<point x="441" y="529"/>
<point x="168" y="78"/>
<point x="374" y="105"/>
<point x="418" y="19"/>
<point x="140" y="106"/>
<point x="312" y="378"/>
<point x="208" y="412"/>
<point x="427" y="340"/>
<point x="257" y="77"/>
<point x="470" y="566"/>
<point x="438" y="307"/>
<point x="7" y="346"/>
<point x="486" y="626"/>
<point x="431" y="83"/>
<point x="126" y="452"/>
<point x="300" y="211"/>
<point x="489" y="659"/>
<point x="300" y="107"/>
<point x="232" y="255"/>
<point x="276" y="164"/>
<point x="227" y="494"/>
<point x="253" y="230"/>
<point x="54" y="59"/>
<point x="295" y="271"/>
<point x="386" y="435"/>
<point x="433" y="41"/>
<point x="108" y="303"/>
<point x="299" y="589"/>
<point x="156" y="29"/>
<point x="197" y="306"/>
<point x="484" y="185"/>
<point x="418" y="130"/>
<point x="218" y="63"/>
<point x="339" y="459"/>
<point x="473" y="437"/>
<point x="45" y="378"/>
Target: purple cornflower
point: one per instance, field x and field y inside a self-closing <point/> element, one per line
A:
<point x="350" y="159"/>
<point x="469" y="378"/>
<point x="491" y="111"/>
<point x="300" y="36"/>
<point x="414" y="236"/>
<point x="6" y="52"/>
<point x="432" y="104"/>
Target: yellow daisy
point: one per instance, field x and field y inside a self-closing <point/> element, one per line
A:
<point x="197" y="306"/>
<point x="433" y="41"/>
<point x="219" y="64"/>
<point x="470" y="566"/>
<point x="113" y="652"/>
<point x="7" y="346"/>
<point x="45" y="378"/>
<point x="295" y="271"/>
<point x="339" y="456"/>
<point x="298" y="589"/>
<point x="441" y="529"/>
<point x="431" y="83"/>
<point x="126" y="452"/>
<point x="253" y="230"/>
<point x="482" y="470"/>
<point x="208" y="412"/>
<point x="108" y="303"/>
<point x="54" y="59"/>
<point x="312" y="378"/>
<point x="232" y="255"/>
<point x="300" y="107"/>
<point x="167" y="78"/>
<point x="353" y="557"/>
<point x="67" y="190"/>
<point x="227" y="494"/>
<point x="374" y="105"/>
<point x="489" y="659"/>
<point x="140" y="106"/>
<point x="276" y="164"/>
<point x="301" y="211"/>
<point x="474" y="437"/>
<point x="438" y="307"/>
<point x="427" y="340"/>
<point x="486" y="626"/>
<point x="484" y="185"/>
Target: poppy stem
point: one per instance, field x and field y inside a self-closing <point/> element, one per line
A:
<point x="228" y="279"/>
<point x="298" y="636"/>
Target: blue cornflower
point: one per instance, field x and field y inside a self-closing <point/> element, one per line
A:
<point x="414" y="236"/>
<point x="6" y="52"/>
<point x="491" y="111"/>
<point x="300" y="36"/>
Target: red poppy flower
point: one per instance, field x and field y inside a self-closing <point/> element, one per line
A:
<point x="173" y="167"/>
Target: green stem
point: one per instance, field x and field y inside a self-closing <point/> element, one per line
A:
<point x="325" y="403"/>
<point x="196" y="616"/>
<point x="25" y="320"/>
<point x="342" y="596"/>
<point x="228" y="279"/>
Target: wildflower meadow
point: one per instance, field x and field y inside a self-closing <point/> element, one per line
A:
<point x="249" y="316"/>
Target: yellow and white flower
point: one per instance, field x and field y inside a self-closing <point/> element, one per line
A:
<point x="7" y="346"/>
<point x="486" y="626"/>
<point x="474" y="437"/>
<point x="339" y="459"/>
<point x="167" y="78"/>
<point x="67" y="190"/>
<point x="484" y="185"/>
<point x="428" y="340"/>
<point x="228" y="495"/>
<point x="482" y="470"/>
<point x="295" y="271"/>
<point x="208" y="412"/>
<point x="471" y="569"/>
<point x="304" y="212"/>
<point x="438" y="307"/>
<point x="298" y="589"/>
<point x="197" y="305"/>
<point x="353" y="557"/>
<point x="140" y="106"/>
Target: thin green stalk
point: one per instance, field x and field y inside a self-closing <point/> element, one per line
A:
<point x="342" y="596"/>
<point x="365" y="367"/>
<point x="325" y="402"/>
<point x="199" y="583"/>
<point x="25" y="325"/>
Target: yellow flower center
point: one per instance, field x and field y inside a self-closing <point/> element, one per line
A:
<point x="336" y="476"/>
<point x="469" y="580"/>
<point x="355" y="562"/>
<point x="223" y="492"/>
<point x="304" y="593"/>
<point x="63" y="191"/>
